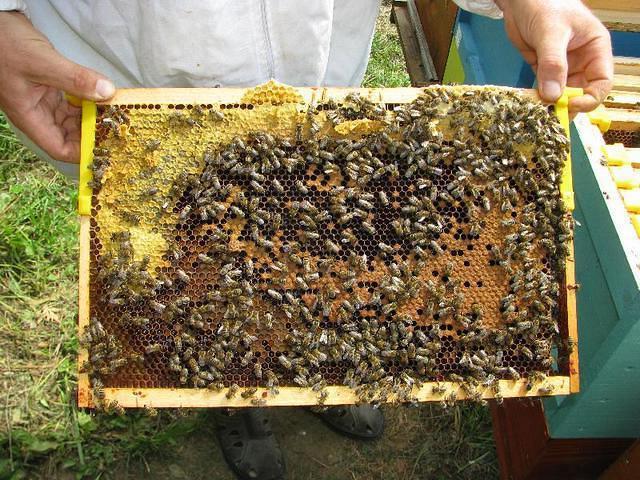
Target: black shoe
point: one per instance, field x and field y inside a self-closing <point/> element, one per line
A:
<point x="248" y="444"/>
<point x="363" y="422"/>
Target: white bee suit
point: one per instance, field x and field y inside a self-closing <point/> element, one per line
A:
<point x="204" y="43"/>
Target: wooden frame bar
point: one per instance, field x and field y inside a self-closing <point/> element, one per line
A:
<point x="298" y="396"/>
<point x="294" y="396"/>
<point x="175" y="96"/>
<point x="626" y="82"/>
<point x="621" y="99"/>
<point x="617" y="15"/>
<point x="624" y="119"/>
<point x="618" y="21"/>
<point x="625" y="5"/>
<point x="626" y="65"/>
<point x="572" y="324"/>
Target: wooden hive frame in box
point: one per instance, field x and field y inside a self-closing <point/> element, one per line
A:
<point x="611" y="134"/>
<point x="564" y="383"/>
<point x="620" y="124"/>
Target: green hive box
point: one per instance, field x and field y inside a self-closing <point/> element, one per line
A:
<point x="607" y="252"/>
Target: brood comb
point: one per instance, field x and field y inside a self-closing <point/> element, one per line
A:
<point x="330" y="245"/>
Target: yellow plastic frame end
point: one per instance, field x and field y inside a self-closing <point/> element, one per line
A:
<point x="616" y="155"/>
<point x="87" y="144"/>
<point x="562" y="112"/>
<point x="600" y="118"/>
<point x="73" y="100"/>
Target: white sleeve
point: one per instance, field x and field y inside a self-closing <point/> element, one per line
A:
<point x="8" y="5"/>
<point x="487" y="8"/>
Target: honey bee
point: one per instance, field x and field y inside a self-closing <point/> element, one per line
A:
<point x="285" y="362"/>
<point x="153" y="348"/>
<point x="98" y="388"/>
<point x="113" y="125"/>
<point x="216" y="386"/>
<point x="546" y="389"/>
<point x="216" y="115"/>
<point x="248" y="392"/>
<point x="182" y="276"/>
<point x="435" y="247"/>
<point x="232" y="391"/>
<point x="157" y="306"/>
<point x="114" y="407"/>
<point x="277" y="296"/>
<point x="152" y="144"/>
<point x="150" y="411"/>
<point x="513" y="373"/>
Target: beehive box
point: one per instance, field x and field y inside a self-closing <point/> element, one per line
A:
<point x="617" y="137"/>
<point x="280" y="246"/>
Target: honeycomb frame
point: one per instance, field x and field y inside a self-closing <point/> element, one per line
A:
<point x="191" y="397"/>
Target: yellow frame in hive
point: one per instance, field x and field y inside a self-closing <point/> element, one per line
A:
<point x="192" y="397"/>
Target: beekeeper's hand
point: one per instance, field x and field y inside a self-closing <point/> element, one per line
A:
<point x="565" y="44"/>
<point x="32" y="78"/>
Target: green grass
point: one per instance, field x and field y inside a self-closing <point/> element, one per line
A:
<point x="386" y="62"/>
<point x="42" y="433"/>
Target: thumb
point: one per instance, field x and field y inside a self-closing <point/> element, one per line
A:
<point x="56" y="71"/>
<point x="551" y="53"/>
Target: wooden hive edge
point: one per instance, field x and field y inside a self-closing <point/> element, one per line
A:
<point x="298" y="396"/>
<point x="83" y="305"/>
<point x="626" y="82"/>
<point x="626" y="65"/>
<point x="618" y="19"/>
<point x="164" y="96"/>
<point x="622" y="99"/>
<point x="624" y="119"/>
<point x="572" y="320"/>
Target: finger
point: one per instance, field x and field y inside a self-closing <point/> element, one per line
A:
<point x="39" y="124"/>
<point x="46" y="135"/>
<point x="73" y="136"/>
<point x="65" y="110"/>
<point x="596" y="80"/>
<point x="73" y="146"/>
<point x="70" y="124"/>
<point x="50" y="68"/>
<point x="551" y="63"/>
<point x="585" y="103"/>
<point x="599" y="77"/>
<point x="594" y="94"/>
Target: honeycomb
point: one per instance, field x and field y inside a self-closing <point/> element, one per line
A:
<point x="274" y="242"/>
<point x="628" y="138"/>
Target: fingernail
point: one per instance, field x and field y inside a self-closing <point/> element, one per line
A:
<point x="105" y="89"/>
<point x="551" y="90"/>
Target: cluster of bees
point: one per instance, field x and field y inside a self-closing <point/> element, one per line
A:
<point x="333" y="259"/>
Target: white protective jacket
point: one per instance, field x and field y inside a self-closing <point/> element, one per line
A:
<point x="200" y="43"/>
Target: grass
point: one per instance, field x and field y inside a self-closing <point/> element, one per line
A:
<point x="386" y="66"/>
<point x="37" y="272"/>
<point x="42" y="433"/>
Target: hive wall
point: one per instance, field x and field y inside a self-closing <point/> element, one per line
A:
<point x="272" y="242"/>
